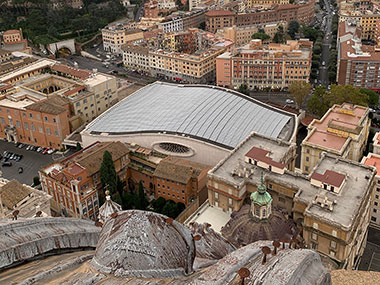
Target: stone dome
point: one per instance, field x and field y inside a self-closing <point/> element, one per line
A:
<point x="144" y="244"/>
<point x="243" y="228"/>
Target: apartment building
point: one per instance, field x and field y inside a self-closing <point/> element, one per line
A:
<point x="173" y="24"/>
<point x="75" y="181"/>
<point x="342" y="131"/>
<point x="220" y="19"/>
<point x="43" y="122"/>
<point x="5" y="56"/>
<point x="196" y="68"/>
<point x="369" y="24"/>
<point x="243" y="35"/>
<point x="331" y="207"/>
<point x="358" y="64"/>
<point x="115" y="36"/>
<point x="12" y="36"/>
<point x="166" y="4"/>
<point x="183" y="56"/>
<point x="265" y="66"/>
<point x="265" y="3"/>
<point x="180" y="180"/>
<point x="373" y="160"/>
<point x="151" y="9"/>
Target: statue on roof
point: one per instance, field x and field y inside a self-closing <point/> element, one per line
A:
<point x="108" y="208"/>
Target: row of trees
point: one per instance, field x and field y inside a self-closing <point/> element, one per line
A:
<point x="130" y="199"/>
<point x="333" y="60"/>
<point x="42" y="24"/>
<point x="322" y="99"/>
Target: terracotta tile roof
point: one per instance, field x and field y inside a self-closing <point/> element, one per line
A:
<point x="373" y="160"/>
<point x="329" y="177"/>
<point x="91" y="157"/>
<point x="215" y="13"/>
<point x="260" y="154"/>
<point x="178" y="170"/>
<point x="53" y="105"/>
<point x="74" y="90"/>
<point x="13" y="192"/>
<point x="79" y="73"/>
<point x="11" y="32"/>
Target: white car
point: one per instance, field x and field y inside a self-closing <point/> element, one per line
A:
<point x="289" y="101"/>
<point x="50" y="151"/>
<point x="39" y="149"/>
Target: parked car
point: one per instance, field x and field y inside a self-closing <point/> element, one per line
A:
<point x="7" y="163"/>
<point x="12" y="156"/>
<point x="289" y="101"/>
<point x="39" y="149"/>
<point x="20" y="170"/>
<point x="44" y="151"/>
<point x="50" y="151"/>
<point x="21" y="145"/>
<point x="19" y="157"/>
<point x="28" y="147"/>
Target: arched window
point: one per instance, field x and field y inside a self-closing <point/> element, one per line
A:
<point x="264" y="212"/>
<point x="257" y="211"/>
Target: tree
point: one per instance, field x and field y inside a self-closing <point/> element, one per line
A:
<point x="78" y="147"/>
<point x="373" y="97"/>
<point x="142" y="202"/>
<point x="158" y="204"/>
<point x="279" y="37"/>
<point x="243" y="89"/>
<point x="261" y="36"/>
<point x="108" y="173"/>
<point x="293" y="29"/>
<point x="36" y="181"/>
<point x="299" y="90"/>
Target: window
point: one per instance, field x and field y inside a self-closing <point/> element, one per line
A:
<point x="40" y="129"/>
<point x="26" y="126"/>
<point x="307" y="158"/>
<point x="54" y="120"/>
<point x="332" y="253"/>
<point x="332" y="244"/>
<point x="46" y="118"/>
<point x="2" y="121"/>
<point x="315" y="226"/>
<point x="48" y="131"/>
<point x="373" y="219"/>
<point x="376" y="203"/>
<point x="375" y="210"/>
<point x="216" y="195"/>
<point x="56" y="133"/>
<point x="18" y="124"/>
<point x="306" y="168"/>
<point x="230" y="201"/>
<point x="31" y="115"/>
<point x="281" y="199"/>
<point x="33" y="128"/>
<point x="377" y="196"/>
<point x="314" y="236"/>
<point x="314" y="246"/>
<point x="334" y="233"/>
<point x="270" y="186"/>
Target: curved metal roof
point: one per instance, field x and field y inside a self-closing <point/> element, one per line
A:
<point x="208" y="113"/>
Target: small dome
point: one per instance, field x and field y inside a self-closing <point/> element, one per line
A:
<point x="144" y="244"/>
<point x="108" y="208"/>
<point x="243" y="229"/>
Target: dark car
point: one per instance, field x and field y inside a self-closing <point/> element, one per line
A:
<point x="20" y="170"/>
<point x="19" y="157"/>
<point x="7" y="163"/>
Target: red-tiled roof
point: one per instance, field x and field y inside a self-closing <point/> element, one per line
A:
<point x="262" y="155"/>
<point x="329" y="177"/>
<point x="219" y="13"/>
<point x="79" y="73"/>
<point x="11" y="32"/>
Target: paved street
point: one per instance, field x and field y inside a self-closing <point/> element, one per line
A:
<point x="371" y="257"/>
<point x="276" y="97"/>
<point x="323" y="70"/>
<point x="31" y="163"/>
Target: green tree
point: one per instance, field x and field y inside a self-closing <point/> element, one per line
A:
<point x="279" y="36"/>
<point x="243" y="89"/>
<point x="293" y="29"/>
<point x="373" y="97"/>
<point x="158" y="204"/>
<point x="170" y="209"/>
<point x="142" y="202"/>
<point x="261" y="36"/>
<point x="108" y="173"/>
<point x="299" y="90"/>
<point x="36" y="181"/>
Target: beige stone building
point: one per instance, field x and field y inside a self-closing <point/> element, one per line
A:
<point x="115" y="36"/>
<point x="243" y="35"/>
<point x="342" y="131"/>
<point x="265" y="3"/>
<point x="331" y="207"/>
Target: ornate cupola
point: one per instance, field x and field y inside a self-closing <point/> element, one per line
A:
<point x="261" y="205"/>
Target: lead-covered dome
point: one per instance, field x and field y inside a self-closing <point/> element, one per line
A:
<point x="144" y="244"/>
